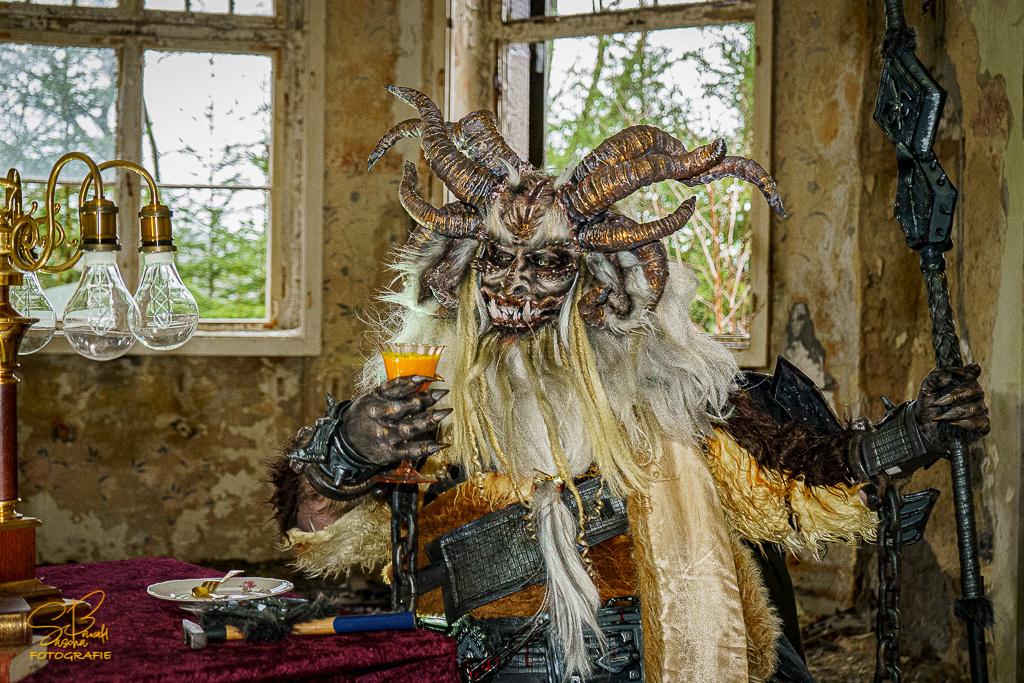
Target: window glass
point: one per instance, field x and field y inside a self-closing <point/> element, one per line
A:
<point x="207" y="139"/>
<point x="56" y="100"/>
<point x="263" y="8"/>
<point x="697" y="84"/>
<point x="59" y="287"/>
<point x="567" y="7"/>
<point x="210" y="6"/>
<point x="221" y="237"/>
<point x="166" y="5"/>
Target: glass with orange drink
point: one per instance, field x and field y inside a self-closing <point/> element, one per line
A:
<point x="405" y="360"/>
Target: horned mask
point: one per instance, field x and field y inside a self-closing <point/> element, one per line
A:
<point x="533" y="237"/>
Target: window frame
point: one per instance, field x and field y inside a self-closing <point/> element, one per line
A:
<point x="513" y="27"/>
<point x="294" y="38"/>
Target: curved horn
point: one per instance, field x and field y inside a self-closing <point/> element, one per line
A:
<point x="618" y="233"/>
<point x="470" y="181"/>
<point x="591" y="305"/>
<point x="607" y="301"/>
<point x="653" y="260"/>
<point x="608" y="184"/>
<point x="744" y="169"/>
<point x="410" y="128"/>
<point x="626" y="145"/>
<point x="476" y="133"/>
<point x="451" y="220"/>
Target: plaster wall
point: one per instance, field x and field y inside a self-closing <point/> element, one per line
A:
<point x="163" y="455"/>
<point x="848" y="301"/>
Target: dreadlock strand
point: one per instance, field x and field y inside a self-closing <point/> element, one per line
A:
<point x="613" y="451"/>
<point x="557" y="452"/>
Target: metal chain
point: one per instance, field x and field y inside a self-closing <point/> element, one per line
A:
<point x="404" y="543"/>
<point x="887" y="661"/>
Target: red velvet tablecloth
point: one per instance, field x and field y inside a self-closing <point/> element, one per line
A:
<point x="144" y="639"/>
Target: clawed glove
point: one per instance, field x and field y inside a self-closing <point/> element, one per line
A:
<point x="357" y="439"/>
<point x="333" y="467"/>
<point x="915" y="434"/>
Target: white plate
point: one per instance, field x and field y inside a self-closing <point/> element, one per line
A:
<point x="235" y="588"/>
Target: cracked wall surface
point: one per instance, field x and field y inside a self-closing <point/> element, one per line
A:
<point x="840" y="262"/>
<point x="164" y="455"/>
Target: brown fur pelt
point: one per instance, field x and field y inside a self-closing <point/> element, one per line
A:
<point x="285" y="499"/>
<point x="763" y="625"/>
<point x="792" y="449"/>
<point x="763" y="504"/>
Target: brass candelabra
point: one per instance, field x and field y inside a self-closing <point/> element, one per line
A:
<point x="101" y="321"/>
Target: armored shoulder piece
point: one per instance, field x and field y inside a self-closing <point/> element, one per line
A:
<point x="894" y="446"/>
<point x="786" y="424"/>
<point x="790" y="396"/>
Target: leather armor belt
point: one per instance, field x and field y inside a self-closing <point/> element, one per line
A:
<point x="497" y="555"/>
<point x="535" y="661"/>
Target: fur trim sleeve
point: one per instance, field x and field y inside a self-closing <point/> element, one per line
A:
<point x="792" y="449"/>
<point x="762" y="504"/>
<point x="354" y="533"/>
<point x="359" y="538"/>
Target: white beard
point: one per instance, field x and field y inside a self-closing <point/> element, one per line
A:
<point x="664" y="369"/>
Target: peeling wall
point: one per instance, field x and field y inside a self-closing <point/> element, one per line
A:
<point x="821" y="52"/>
<point x="162" y="455"/>
<point x="839" y="261"/>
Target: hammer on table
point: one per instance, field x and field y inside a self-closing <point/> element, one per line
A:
<point x="197" y="637"/>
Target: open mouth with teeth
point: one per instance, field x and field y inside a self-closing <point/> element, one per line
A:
<point x="521" y="314"/>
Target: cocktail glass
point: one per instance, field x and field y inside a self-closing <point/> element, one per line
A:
<point x="405" y="360"/>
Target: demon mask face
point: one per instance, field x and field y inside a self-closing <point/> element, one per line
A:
<point x="525" y="288"/>
<point x="532" y="237"/>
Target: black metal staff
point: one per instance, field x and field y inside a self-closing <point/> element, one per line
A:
<point x="908" y="108"/>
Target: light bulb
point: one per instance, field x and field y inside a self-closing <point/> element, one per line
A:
<point x="32" y="303"/>
<point x="170" y="314"/>
<point x="101" y="314"/>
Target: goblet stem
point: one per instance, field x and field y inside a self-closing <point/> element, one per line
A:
<point x="405" y="473"/>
